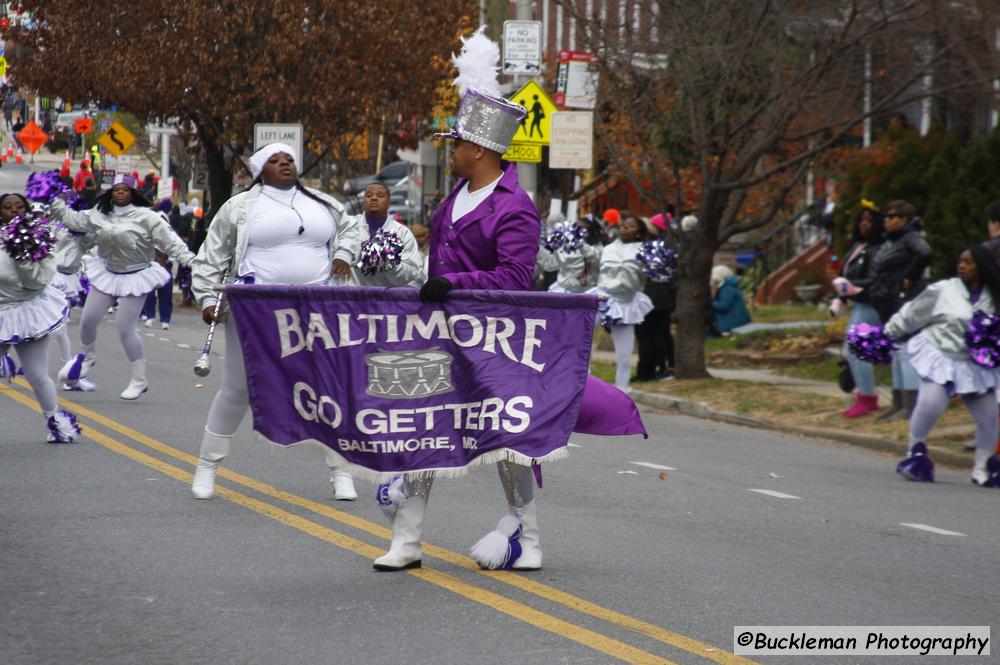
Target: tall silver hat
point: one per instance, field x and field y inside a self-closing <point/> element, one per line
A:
<point x="484" y="117"/>
<point x="487" y="121"/>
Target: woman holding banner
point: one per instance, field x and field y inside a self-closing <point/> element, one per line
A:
<point x="276" y="232"/>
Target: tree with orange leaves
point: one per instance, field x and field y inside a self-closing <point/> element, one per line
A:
<point x="336" y="66"/>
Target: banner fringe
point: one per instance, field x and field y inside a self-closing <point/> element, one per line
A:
<point x="492" y="457"/>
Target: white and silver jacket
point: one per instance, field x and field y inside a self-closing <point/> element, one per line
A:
<point x="411" y="266"/>
<point x="579" y="269"/>
<point x="23" y="280"/>
<point x="126" y="238"/>
<point x="942" y="312"/>
<point x="621" y="274"/>
<point x="226" y="242"/>
<point x="69" y="250"/>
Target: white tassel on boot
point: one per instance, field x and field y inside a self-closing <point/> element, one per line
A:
<point x="498" y="549"/>
<point x="77" y="367"/>
<point x="341" y="479"/>
<point x="214" y="449"/>
<point x="407" y="526"/>
<point x="531" y="546"/>
<point x="137" y="385"/>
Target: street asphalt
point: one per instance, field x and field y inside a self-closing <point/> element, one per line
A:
<point x="654" y="549"/>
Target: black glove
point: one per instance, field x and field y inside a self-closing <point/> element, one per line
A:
<point x="435" y="289"/>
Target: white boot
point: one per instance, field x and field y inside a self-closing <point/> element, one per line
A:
<point x="404" y="552"/>
<point x="340" y="479"/>
<point x="137" y="385"/>
<point x="214" y="449"/>
<point x="343" y="484"/>
<point x="979" y="473"/>
<point x="531" y="545"/>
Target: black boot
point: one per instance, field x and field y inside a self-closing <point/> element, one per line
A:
<point x="897" y="406"/>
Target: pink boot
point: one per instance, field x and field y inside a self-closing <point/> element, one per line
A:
<point x="864" y="404"/>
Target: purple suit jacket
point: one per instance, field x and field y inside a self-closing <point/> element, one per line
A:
<point x="495" y="246"/>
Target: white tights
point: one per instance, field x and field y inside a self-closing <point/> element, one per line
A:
<point x="34" y="357"/>
<point x="232" y="400"/>
<point x="932" y="401"/>
<point x="126" y="320"/>
<point x="623" y="337"/>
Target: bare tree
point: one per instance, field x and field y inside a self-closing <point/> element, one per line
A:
<point x="731" y="101"/>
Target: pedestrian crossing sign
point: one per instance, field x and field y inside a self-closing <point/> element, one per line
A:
<point x="536" y="126"/>
<point x="116" y="139"/>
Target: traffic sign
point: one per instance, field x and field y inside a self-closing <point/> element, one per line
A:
<point x="576" y="80"/>
<point x="572" y="140"/>
<point x="523" y="152"/>
<point x="32" y="137"/>
<point x="536" y="126"/>
<point x="116" y="139"/>
<point x="83" y="126"/>
<point x="291" y="134"/>
<point x="522" y="47"/>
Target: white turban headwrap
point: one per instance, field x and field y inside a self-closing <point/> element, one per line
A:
<point x="260" y="157"/>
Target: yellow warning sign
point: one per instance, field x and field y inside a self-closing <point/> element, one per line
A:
<point x="523" y="152"/>
<point x="116" y="139"/>
<point x="536" y="126"/>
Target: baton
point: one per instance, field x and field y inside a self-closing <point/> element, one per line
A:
<point x="204" y="365"/>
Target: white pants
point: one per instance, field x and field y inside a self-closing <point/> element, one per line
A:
<point x="623" y="337"/>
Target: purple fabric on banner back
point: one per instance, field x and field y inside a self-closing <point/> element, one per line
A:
<point x="392" y="384"/>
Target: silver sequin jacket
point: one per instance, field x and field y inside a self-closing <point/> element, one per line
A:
<point x="943" y="312"/>
<point x="127" y="240"/>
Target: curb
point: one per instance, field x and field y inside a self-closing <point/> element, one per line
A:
<point x="701" y="410"/>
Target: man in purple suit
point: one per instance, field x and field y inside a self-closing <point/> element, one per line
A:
<point x="484" y="236"/>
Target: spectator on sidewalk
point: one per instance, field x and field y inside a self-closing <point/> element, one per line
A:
<point x="993" y="229"/>
<point x="162" y="296"/>
<point x="898" y="278"/>
<point x="728" y="309"/>
<point x="656" y="342"/>
<point x="856" y="277"/>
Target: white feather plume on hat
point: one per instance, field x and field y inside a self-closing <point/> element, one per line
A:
<point x="478" y="64"/>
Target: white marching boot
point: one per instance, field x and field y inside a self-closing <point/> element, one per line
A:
<point x="137" y="385"/>
<point x="214" y="449"/>
<point x="404" y="552"/>
<point x="531" y="545"/>
<point x="342" y="483"/>
<point x="341" y="480"/>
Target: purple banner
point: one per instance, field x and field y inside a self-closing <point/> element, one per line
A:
<point x="392" y="384"/>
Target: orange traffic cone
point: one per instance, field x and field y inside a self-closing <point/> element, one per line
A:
<point x="67" y="162"/>
<point x="10" y="150"/>
<point x="20" y="157"/>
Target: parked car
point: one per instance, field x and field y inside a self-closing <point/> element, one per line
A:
<point x="64" y="121"/>
<point x="390" y="175"/>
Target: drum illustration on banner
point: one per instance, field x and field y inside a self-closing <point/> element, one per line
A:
<point x="409" y="374"/>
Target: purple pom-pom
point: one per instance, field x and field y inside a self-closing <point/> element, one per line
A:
<point x="566" y="237"/>
<point x="983" y="339"/>
<point x="381" y="253"/>
<point x="659" y="263"/>
<point x="870" y="344"/>
<point x="8" y="370"/>
<point x="28" y="238"/>
<point x="46" y="186"/>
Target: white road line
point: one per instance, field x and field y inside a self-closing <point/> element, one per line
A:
<point x="932" y="529"/>
<point x="650" y="465"/>
<point x="574" y="445"/>
<point x="776" y="495"/>
<point x="150" y="334"/>
<point x="184" y="346"/>
<point x="163" y="339"/>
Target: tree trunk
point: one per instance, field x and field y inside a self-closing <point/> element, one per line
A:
<point x="692" y="301"/>
<point x="220" y="178"/>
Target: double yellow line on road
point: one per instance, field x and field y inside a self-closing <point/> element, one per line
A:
<point x="500" y="603"/>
